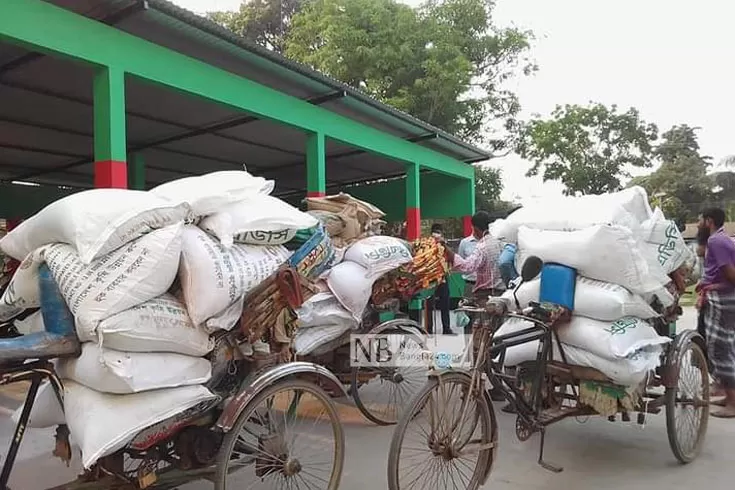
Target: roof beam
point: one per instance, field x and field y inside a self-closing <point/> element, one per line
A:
<point x="68" y="34"/>
<point x="233" y="123"/>
<point x="69" y="98"/>
<point x="413" y="139"/>
<point x="111" y="20"/>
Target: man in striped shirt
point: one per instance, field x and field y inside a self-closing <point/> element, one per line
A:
<point x="483" y="261"/>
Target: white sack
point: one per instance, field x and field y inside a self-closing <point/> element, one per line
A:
<point x="605" y="253"/>
<point x="207" y="194"/>
<point x="102" y="423"/>
<point x="592" y="299"/>
<point x="214" y="277"/>
<point x="111" y="371"/>
<point x="227" y="319"/>
<point x="629" y="371"/>
<point x="324" y="309"/>
<point x="664" y="245"/>
<point x="350" y="284"/>
<point x="129" y="276"/>
<point x="23" y="290"/>
<point x="137" y="272"/>
<point x="566" y="214"/>
<point x="610" y="340"/>
<point x="306" y="340"/>
<point x="633" y="199"/>
<point x="379" y="254"/>
<point x="259" y="220"/>
<point x="46" y="412"/>
<point x="93" y="222"/>
<point x="503" y="230"/>
<point x="158" y="325"/>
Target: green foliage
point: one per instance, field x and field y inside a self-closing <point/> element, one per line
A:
<point x="589" y="149"/>
<point x="488" y="186"/>
<point x="444" y="62"/>
<point x="262" y="22"/>
<point x="680" y="186"/>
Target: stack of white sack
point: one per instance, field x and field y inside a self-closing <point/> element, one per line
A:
<point x="608" y="331"/>
<point x="623" y="253"/>
<point x="116" y="256"/>
<point x="328" y="318"/>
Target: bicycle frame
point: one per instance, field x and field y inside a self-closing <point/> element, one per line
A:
<point x="35" y="372"/>
<point x="528" y="410"/>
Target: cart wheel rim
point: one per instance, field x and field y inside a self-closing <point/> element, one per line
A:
<point x="687" y="410"/>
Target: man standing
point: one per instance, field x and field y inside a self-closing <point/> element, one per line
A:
<point x="717" y="295"/>
<point x="482" y="262"/>
<point x="468" y="245"/>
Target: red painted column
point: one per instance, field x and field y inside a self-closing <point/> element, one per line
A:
<point x="413" y="223"/>
<point x="467" y="225"/>
<point x="413" y="201"/>
<point x="110" y="148"/>
<point x="111" y="174"/>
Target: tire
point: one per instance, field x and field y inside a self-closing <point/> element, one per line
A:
<point x="483" y="418"/>
<point x="406" y="388"/>
<point x="228" y="445"/>
<point x="687" y="451"/>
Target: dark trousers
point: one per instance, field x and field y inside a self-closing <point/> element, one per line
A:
<point x="442" y="302"/>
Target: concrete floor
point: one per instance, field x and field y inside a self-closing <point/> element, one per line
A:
<point x="595" y="454"/>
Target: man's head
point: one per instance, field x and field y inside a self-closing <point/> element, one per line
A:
<point x="480" y="224"/>
<point x="437" y="229"/>
<point x="711" y="220"/>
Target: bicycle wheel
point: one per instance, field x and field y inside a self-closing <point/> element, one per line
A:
<point x="289" y="436"/>
<point x="444" y="438"/>
<point x="687" y="404"/>
<point x="382" y="393"/>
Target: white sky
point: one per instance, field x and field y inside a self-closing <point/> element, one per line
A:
<point x="671" y="59"/>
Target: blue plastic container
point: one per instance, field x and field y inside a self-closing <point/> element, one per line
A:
<point x="558" y="283"/>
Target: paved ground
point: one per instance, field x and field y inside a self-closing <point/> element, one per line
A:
<point x="595" y="454"/>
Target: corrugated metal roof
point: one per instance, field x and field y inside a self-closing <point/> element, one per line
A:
<point x="390" y="114"/>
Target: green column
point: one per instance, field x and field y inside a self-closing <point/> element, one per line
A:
<point x="136" y="172"/>
<point x="109" y="128"/>
<point x="316" y="165"/>
<point x="471" y="194"/>
<point x="413" y="201"/>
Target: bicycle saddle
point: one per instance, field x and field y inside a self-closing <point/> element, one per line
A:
<point x="59" y="338"/>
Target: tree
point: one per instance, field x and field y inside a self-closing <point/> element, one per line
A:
<point x="263" y="22"/>
<point x="444" y="62"/>
<point x="589" y="149"/>
<point x="680" y="186"/>
<point x="488" y="186"/>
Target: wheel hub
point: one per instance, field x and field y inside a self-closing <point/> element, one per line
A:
<point x="442" y="447"/>
<point x="523" y="430"/>
<point x="398" y="378"/>
<point x="292" y="467"/>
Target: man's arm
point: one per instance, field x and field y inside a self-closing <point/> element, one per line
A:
<point x="470" y="265"/>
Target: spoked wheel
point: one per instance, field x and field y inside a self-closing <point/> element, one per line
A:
<point x="687" y="405"/>
<point x="382" y="393"/>
<point x="444" y="439"/>
<point x="289" y="436"/>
